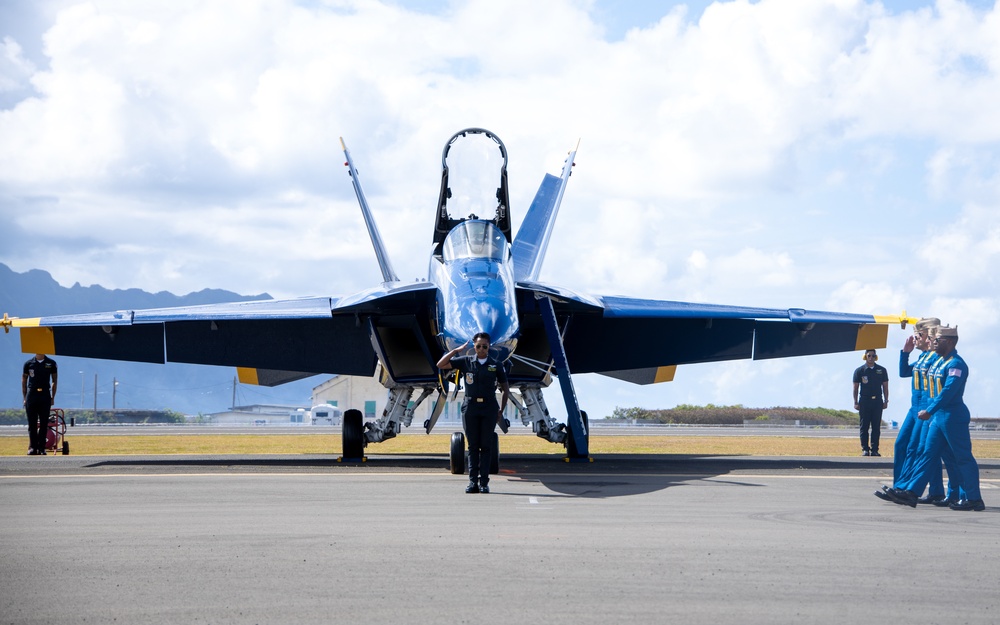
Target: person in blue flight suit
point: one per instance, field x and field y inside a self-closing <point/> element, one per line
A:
<point x="912" y="436"/>
<point x="872" y="380"/>
<point x="482" y="374"/>
<point x="949" y="428"/>
<point x="917" y="371"/>
<point x="38" y="386"/>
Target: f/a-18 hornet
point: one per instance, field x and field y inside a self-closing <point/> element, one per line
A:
<point x="481" y="279"/>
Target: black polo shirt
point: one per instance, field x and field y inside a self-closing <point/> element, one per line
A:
<point x="480" y="379"/>
<point x="39" y="377"/>
<point x="870" y="379"/>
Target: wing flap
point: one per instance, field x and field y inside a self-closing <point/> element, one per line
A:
<point x="332" y="345"/>
<point x="782" y="340"/>
<point x="651" y="375"/>
<point x="269" y="377"/>
<point x="131" y="343"/>
<point x="599" y="344"/>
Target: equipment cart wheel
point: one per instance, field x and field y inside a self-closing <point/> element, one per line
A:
<point x="65" y="448"/>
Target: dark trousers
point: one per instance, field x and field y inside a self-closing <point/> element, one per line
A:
<point x="37" y="410"/>
<point x="480" y="423"/>
<point x="870" y="412"/>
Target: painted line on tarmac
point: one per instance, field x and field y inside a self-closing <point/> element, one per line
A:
<point x="368" y="474"/>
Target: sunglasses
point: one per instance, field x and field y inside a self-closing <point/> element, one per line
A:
<point x="482" y="346"/>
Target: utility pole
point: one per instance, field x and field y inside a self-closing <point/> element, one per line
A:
<point x="233" y="404"/>
<point x="114" y="392"/>
<point x="95" y="396"/>
<point x="81" y="390"/>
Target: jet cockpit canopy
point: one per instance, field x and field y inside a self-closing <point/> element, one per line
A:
<point x="475" y="239"/>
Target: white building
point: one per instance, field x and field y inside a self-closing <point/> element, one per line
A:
<point x="261" y="414"/>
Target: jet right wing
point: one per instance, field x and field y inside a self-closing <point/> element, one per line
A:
<point x="270" y="341"/>
<point x="642" y="341"/>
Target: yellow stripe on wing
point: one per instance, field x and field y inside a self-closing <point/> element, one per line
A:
<point x="247" y="375"/>
<point x="872" y="336"/>
<point x="665" y="374"/>
<point x="36" y="340"/>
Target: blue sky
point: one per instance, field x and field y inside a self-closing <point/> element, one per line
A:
<point x="839" y="155"/>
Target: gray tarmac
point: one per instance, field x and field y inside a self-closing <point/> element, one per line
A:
<point x="658" y="538"/>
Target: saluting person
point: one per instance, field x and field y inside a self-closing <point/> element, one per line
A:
<point x="482" y="373"/>
<point x="949" y="428"/>
<point x="917" y="372"/>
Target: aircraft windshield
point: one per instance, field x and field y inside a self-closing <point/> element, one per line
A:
<point x="474" y="239"/>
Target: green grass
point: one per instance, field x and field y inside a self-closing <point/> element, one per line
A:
<point x="254" y="444"/>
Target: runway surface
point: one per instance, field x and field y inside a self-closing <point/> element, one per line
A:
<point x="303" y="539"/>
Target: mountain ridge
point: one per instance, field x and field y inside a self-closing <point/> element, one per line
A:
<point x="190" y="389"/>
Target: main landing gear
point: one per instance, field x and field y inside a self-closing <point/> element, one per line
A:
<point x="353" y="435"/>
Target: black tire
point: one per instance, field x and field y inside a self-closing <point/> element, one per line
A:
<point x="495" y="455"/>
<point x="353" y="435"/>
<point x="457" y="455"/>
<point x="65" y="448"/>
<point x="571" y="449"/>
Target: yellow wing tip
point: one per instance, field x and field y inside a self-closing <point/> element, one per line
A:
<point x="17" y="322"/>
<point x="902" y="319"/>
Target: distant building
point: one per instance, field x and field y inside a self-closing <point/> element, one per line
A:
<point x="261" y="414"/>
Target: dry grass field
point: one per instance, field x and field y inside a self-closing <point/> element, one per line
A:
<point x="285" y="444"/>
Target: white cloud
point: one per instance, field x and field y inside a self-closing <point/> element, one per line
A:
<point x="14" y="68"/>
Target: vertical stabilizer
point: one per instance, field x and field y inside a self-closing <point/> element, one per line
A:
<point x="533" y="236"/>
<point x="388" y="273"/>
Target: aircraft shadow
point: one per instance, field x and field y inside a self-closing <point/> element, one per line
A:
<point x="613" y="475"/>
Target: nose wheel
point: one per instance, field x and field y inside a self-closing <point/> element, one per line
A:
<point x="457" y="455"/>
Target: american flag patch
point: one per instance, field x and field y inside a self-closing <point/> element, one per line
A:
<point x="954" y="373"/>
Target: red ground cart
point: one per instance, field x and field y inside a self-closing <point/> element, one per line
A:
<point x="55" y="438"/>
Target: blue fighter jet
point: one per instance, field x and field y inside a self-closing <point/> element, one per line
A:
<point x="481" y="279"/>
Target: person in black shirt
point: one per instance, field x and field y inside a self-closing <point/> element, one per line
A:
<point x="872" y="381"/>
<point x="482" y="373"/>
<point x="38" y="386"/>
